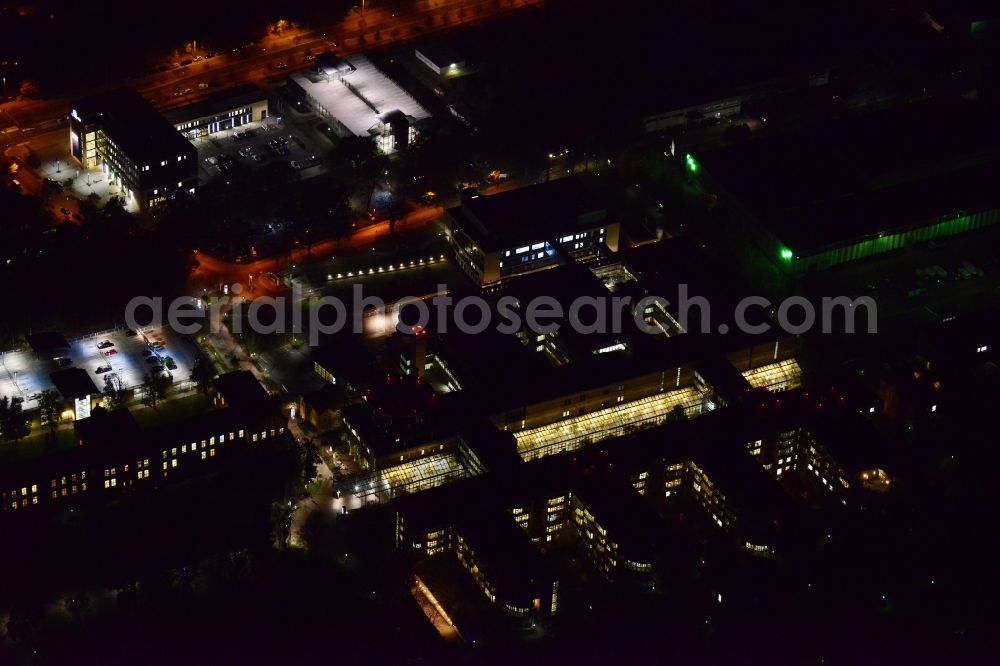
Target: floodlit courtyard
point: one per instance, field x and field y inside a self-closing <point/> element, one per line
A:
<point x="83" y="184"/>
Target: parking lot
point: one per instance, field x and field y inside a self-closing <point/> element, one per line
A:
<point x="259" y="144"/>
<point x="25" y="374"/>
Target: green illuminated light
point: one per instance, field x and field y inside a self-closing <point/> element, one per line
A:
<point x="692" y="163"/>
<point x="787" y="254"/>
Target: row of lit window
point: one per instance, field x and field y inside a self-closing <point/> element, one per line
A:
<point x="33" y="489"/>
<point x="65" y="491"/>
<point x="110" y="474"/>
<point x="179" y="186"/>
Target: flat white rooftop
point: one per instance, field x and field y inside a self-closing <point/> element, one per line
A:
<point x="370" y="94"/>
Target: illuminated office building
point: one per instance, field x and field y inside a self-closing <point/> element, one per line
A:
<point x="529" y="229"/>
<point x="140" y="152"/>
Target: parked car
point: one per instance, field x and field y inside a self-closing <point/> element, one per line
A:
<point x="129" y="333"/>
<point x="105" y="344"/>
<point x="101" y="370"/>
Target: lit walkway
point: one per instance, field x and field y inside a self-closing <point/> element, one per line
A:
<point x="434" y="611"/>
<point x="574" y="433"/>
<point x="780" y="376"/>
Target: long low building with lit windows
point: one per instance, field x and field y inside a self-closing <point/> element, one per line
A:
<point x="224" y="110"/>
<point x="114" y="454"/>
<point x="860" y="186"/>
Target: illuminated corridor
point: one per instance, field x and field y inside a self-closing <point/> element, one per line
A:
<point x="420" y="474"/>
<point x="574" y="433"/>
<point x="780" y="376"/>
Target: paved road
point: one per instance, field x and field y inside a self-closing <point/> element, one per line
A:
<point x="378" y="27"/>
<point x="212" y="270"/>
